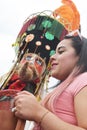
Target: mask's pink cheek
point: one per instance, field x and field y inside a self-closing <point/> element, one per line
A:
<point x="23" y="61"/>
<point x="39" y="68"/>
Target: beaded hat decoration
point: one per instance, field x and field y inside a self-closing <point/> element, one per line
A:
<point x="41" y="32"/>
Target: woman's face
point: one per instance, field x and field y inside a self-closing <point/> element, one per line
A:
<point x="64" y="60"/>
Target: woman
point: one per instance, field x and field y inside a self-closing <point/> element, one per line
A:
<point x="65" y="108"/>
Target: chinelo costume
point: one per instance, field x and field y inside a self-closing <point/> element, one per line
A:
<point x="40" y="34"/>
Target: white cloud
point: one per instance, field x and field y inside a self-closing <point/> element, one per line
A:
<point x="7" y="53"/>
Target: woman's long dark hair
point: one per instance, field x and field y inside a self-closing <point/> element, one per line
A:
<point x="80" y="46"/>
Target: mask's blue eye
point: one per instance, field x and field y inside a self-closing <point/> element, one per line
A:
<point x="39" y="62"/>
<point x="28" y="58"/>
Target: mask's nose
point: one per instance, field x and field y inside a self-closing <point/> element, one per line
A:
<point x="32" y="60"/>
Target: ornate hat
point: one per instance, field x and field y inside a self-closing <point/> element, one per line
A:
<point x="41" y="32"/>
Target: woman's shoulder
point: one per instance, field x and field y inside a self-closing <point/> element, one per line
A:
<point x="82" y="75"/>
<point x="79" y="82"/>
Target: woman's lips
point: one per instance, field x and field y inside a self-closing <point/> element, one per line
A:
<point x="53" y="65"/>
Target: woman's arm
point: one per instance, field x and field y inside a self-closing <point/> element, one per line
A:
<point x="80" y="104"/>
<point x="51" y="122"/>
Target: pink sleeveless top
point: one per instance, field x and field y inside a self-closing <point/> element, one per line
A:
<point x="63" y="105"/>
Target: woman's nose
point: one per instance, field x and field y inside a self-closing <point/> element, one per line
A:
<point x="52" y="58"/>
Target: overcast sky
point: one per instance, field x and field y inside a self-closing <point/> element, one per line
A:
<point x="12" y="15"/>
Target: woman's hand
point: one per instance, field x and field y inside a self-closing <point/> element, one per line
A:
<point x="27" y="106"/>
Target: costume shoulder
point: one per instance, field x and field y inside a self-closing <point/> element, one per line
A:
<point x="3" y="78"/>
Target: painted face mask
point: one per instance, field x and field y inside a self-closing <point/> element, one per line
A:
<point x="32" y="67"/>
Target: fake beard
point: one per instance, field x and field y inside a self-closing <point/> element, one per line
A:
<point x="27" y="72"/>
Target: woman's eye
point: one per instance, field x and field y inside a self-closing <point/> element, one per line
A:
<point x="60" y="52"/>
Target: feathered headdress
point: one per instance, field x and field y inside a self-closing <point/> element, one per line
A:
<point x="41" y="32"/>
<point x="68" y="15"/>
